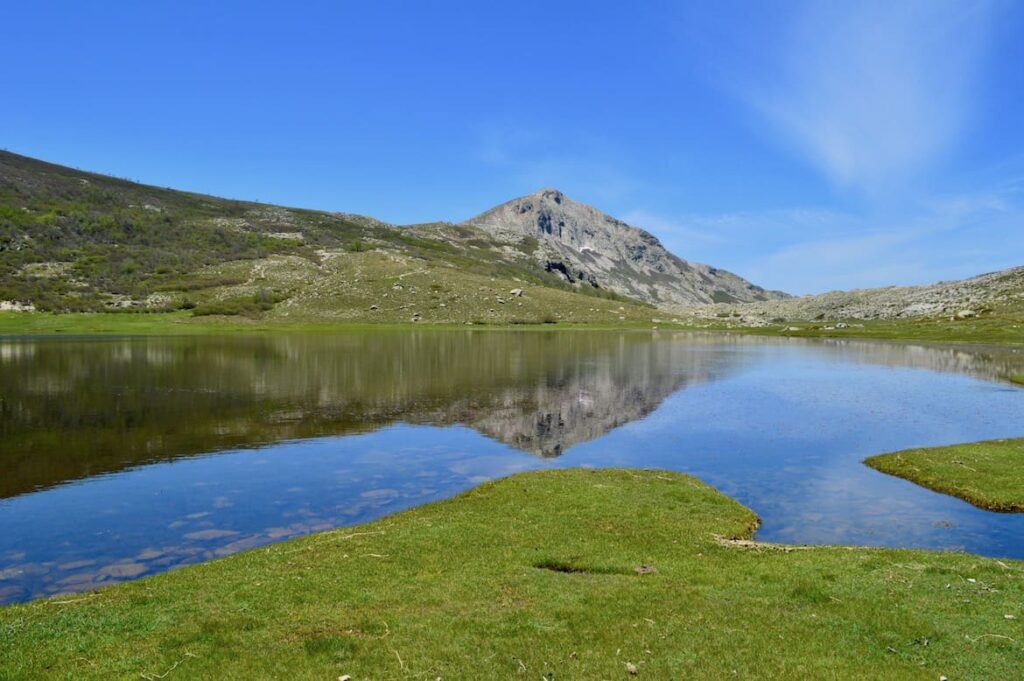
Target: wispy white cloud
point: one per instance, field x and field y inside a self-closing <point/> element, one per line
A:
<point x="812" y="251"/>
<point x="676" y="234"/>
<point x="858" y="261"/>
<point x="878" y="96"/>
<point x="872" y="91"/>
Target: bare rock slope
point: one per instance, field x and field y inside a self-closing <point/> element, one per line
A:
<point x="967" y="298"/>
<point x="588" y="247"/>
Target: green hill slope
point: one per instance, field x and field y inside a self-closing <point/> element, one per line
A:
<point x="77" y="241"/>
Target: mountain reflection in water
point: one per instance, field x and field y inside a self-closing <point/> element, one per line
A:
<point x="97" y="412"/>
<point x="75" y="409"/>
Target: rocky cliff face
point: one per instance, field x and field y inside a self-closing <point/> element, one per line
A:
<point x="589" y="248"/>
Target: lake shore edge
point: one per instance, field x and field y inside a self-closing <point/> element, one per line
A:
<point x="574" y="571"/>
<point x="986" y="474"/>
<point x="45" y="324"/>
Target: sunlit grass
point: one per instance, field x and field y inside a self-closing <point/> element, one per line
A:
<point x="536" y="576"/>
<point x="989" y="475"/>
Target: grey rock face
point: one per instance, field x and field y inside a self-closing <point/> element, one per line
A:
<point x="587" y="247"/>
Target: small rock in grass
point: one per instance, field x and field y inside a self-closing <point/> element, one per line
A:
<point x="645" y="569"/>
<point x="631" y="669"/>
<point x="375" y="307"/>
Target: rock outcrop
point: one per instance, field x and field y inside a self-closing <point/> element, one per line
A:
<point x="964" y="299"/>
<point x="586" y="247"/>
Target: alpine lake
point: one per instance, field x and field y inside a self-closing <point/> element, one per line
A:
<point x="124" y="457"/>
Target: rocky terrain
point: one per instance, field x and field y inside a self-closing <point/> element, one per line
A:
<point x="993" y="293"/>
<point x="588" y="247"/>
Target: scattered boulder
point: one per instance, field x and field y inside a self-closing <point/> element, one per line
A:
<point x="516" y="292"/>
<point x="375" y="307"/>
<point x="966" y="314"/>
<point x="16" y="306"/>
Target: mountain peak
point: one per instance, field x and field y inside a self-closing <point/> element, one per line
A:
<point x="585" y="246"/>
<point x="550" y="193"/>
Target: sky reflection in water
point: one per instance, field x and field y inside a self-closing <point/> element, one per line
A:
<point x="122" y="458"/>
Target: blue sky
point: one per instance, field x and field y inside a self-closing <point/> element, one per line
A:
<point x="808" y="146"/>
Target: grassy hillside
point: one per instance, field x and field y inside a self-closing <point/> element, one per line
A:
<point x="72" y="241"/>
<point x="77" y="241"/>
<point x="588" y="574"/>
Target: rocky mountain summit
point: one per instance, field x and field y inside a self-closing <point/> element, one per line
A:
<point x="588" y="247"/>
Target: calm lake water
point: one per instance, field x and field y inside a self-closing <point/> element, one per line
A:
<point x="125" y="457"/>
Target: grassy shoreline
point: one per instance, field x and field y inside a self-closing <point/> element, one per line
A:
<point x="21" y="324"/>
<point x="985" y="331"/>
<point x="537" y="574"/>
<point x="989" y="475"/>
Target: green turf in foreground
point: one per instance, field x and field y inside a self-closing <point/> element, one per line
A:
<point x="535" y="576"/>
<point x="989" y="475"/>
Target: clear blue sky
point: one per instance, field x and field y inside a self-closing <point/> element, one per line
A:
<point x="806" y="145"/>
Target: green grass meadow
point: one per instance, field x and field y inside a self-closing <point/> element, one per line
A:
<point x="569" y="574"/>
<point x="989" y="475"/>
